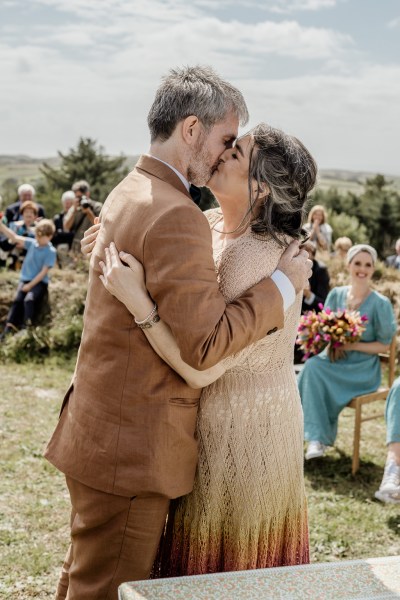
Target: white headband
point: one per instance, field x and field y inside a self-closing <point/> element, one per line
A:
<point x="361" y="248"/>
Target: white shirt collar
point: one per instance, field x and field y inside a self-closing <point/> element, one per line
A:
<point x="181" y="177"/>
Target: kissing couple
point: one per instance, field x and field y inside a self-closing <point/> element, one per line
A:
<point x="184" y="387"/>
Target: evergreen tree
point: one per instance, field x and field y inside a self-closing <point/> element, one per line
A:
<point x="87" y="161"/>
<point x="376" y="209"/>
<point x="9" y="191"/>
<point x="345" y="225"/>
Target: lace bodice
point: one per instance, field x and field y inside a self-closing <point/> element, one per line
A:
<point x="240" y="265"/>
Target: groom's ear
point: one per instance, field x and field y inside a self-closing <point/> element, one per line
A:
<point x="191" y="129"/>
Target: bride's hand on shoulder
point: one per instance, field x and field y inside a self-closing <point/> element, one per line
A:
<point x="89" y="238"/>
<point x="123" y="276"/>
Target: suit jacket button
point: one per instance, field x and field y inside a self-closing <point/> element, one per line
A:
<point x="272" y="331"/>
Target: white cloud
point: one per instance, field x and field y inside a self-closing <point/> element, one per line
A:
<point x="182" y="38"/>
<point x="347" y="122"/>
<point x="287" y="6"/>
<point x="94" y="10"/>
<point x="277" y="6"/>
<point x="95" y="75"/>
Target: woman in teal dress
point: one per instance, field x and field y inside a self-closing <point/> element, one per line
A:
<point x="327" y="387"/>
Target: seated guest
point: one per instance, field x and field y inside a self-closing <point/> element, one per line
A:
<point x="3" y="240"/>
<point x="26" y="225"/>
<point x="342" y="246"/>
<point x="61" y="236"/>
<point x="82" y="213"/>
<point x="34" y="278"/>
<point x="320" y="231"/>
<point x="317" y="291"/>
<point x="23" y="228"/>
<point x="26" y="193"/>
<point x="394" y="260"/>
<point x="389" y="490"/>
<point x="326" y="386"/>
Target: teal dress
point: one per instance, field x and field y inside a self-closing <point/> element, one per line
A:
<point x="327" y="387"/>
<point x="392" y="413"/>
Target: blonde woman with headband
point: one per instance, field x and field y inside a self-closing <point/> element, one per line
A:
<point x="327" y="387"/>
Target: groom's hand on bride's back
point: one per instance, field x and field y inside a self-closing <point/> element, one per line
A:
<point x="296" y="265"/>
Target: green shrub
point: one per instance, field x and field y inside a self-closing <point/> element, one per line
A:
<point x="60" y="333"/>
<point x="345" y="225"/>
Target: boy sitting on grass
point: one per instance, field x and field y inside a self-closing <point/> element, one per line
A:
<point x="41" y="256"/>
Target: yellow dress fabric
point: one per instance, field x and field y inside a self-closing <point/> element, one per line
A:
<point x="247" y="509"/>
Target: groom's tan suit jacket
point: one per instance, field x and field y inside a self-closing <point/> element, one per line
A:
<point x="127" y="425"/>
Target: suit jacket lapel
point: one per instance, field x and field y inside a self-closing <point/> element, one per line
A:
<point x="156" y="168"/>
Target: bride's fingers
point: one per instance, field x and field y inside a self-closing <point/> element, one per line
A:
<point x="93" y="230"/>
<point x="90" y="246"/>
<point x="108" y="258"/>
<point x="86" y="248"/>
<point x="130" y="260"/>
<point x="91" y="237"/>
<point x="103" y="276"/>
<point x="115" y="260"/>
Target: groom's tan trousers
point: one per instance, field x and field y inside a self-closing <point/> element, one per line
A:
<point x="114" y="539"/>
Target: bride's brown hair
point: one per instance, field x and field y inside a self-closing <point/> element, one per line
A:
<point x="283" y="164"/>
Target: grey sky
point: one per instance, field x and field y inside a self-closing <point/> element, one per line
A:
<point x="327" y="71"/>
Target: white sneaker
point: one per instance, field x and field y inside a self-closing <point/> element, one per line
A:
<point x="315" y="450"/>
<point x="391" y="478"/>
<point x="388" y="497"/>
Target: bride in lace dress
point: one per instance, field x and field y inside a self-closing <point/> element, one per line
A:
<point x="247" y="509"/>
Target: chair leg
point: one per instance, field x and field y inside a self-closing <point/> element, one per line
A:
<point x="357" y="435"/>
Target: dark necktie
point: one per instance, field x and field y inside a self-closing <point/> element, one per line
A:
<point x="195" y="192"/>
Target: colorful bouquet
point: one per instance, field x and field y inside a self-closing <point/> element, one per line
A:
<point x="328" y="327"/>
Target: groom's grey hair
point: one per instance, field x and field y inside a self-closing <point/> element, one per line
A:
<point x="195" y="91"/>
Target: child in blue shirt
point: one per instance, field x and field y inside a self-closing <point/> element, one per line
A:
<point x="40" y="257"/>
<point x="25" y="228"/>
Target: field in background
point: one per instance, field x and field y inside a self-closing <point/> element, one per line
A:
<point x="26" y="169"/>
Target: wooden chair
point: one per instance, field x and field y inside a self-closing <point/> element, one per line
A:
<point x="358" y="402"/>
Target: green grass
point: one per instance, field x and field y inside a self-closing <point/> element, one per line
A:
<point x="34" y="503"/>
<point x="345" y="521"/>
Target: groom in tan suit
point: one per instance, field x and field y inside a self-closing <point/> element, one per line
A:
<point x="125" y="437"/>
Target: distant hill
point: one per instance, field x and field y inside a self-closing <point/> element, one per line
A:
<point x="350" y="180"/>
<point x="22" y="168"/>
